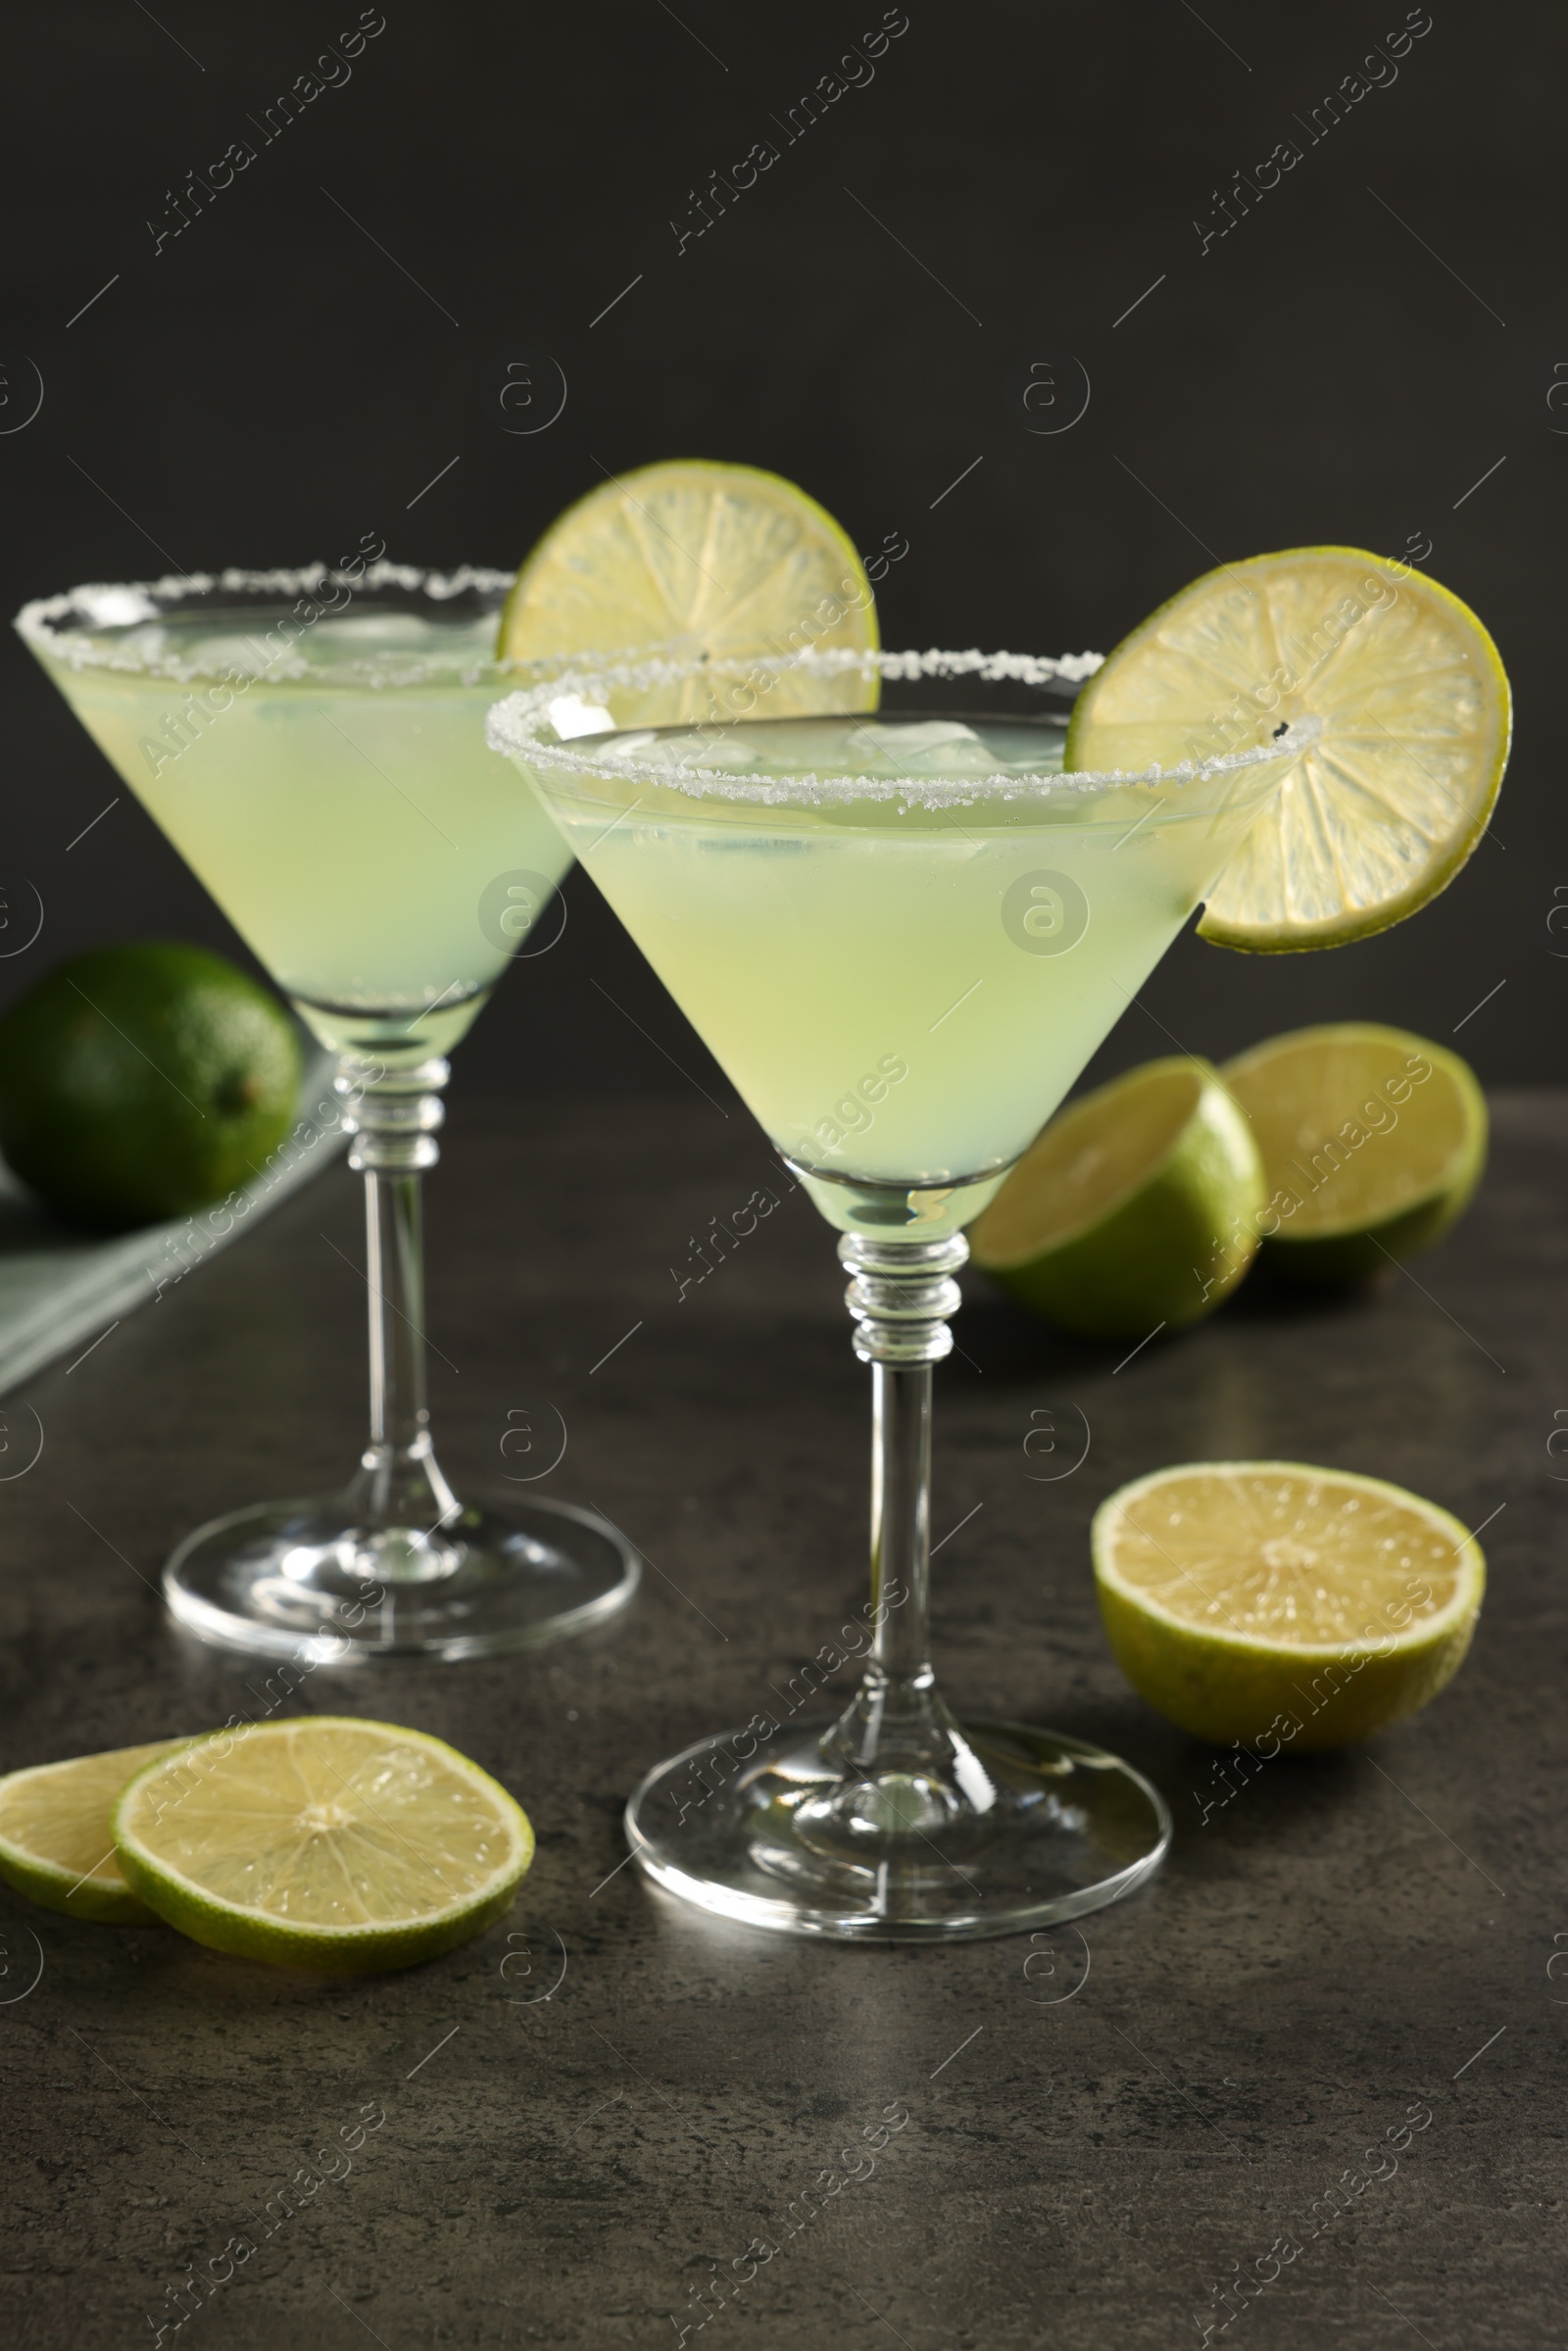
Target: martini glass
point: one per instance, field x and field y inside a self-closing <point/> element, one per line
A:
<point x="311" y="744"/>
<point x="902" y="935"/>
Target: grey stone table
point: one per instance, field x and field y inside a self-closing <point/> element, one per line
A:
<point x="1334" y="2021"/>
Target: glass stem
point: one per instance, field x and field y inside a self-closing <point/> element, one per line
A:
<point x="393" y="1115"/>
<point x="900" y="1296"/>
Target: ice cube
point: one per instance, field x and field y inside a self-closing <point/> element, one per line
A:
<point x="570" y="716"/>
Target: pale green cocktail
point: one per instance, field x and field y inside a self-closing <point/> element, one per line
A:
<point x="340" y="806"/>
<point x="902" y="989"/>
<point x="312" y="742"/>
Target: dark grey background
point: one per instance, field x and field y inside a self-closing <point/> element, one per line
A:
<point x="280" y="378"/>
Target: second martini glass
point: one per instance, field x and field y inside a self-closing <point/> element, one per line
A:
<point x="902" y="935"/>
<point x="311" y="744"/>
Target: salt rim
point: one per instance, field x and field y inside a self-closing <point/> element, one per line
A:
<point x="517" y="727"/>
<point x="38" y="623"/>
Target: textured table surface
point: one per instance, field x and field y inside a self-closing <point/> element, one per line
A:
<point x="1339" y="1998"/>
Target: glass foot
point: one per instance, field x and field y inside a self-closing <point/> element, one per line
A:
<point x="302" y="1580"/>
<point x="1019" y="1828"/>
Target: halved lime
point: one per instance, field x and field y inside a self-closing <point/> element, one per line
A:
<point x="1137" y="1207"/>
<point x="1281" y="1606"/>
<point x="1379" y="811"/>
<point x="697" y="556"/>
<point x="56" y="1844"/>
<point x="323" y="1843"/>
<point x="1373" y="1141"/>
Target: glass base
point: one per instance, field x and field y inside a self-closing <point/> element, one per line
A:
<point x="304" y="1580"/>
<point x="916" y="1209"/>
<point x="1031" y="1827"/>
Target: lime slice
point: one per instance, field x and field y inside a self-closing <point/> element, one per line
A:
<point x="698" y="558"/>
<point x="1279" y="1606"/>
<point x="323" y="1843"/>
<point x="1136" y="1209"/>
<point x="1373" y="1142"/>
<point x="55" y="1840"/>
<point x="1380" y="811"/>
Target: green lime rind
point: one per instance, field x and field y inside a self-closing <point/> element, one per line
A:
<point x="143" y="1080"/>
<point x="1315" y="1242"/>
<point x="76" y="1887"/>
<point x="359" y="1951"/>
<point x="1450" y="816"/>
<point x="1172" y="1241"/>
<point x="247" y="1932"/>
<point x="54" y="1888"/>
<point x="1231" y="1688"/>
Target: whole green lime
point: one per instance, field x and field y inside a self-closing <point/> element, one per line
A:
<point x="143" y="1080"/>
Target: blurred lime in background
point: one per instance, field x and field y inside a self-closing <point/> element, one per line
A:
<point x="142" y="1081"/>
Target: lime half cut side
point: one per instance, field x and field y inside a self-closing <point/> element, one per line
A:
<point x="1281" y="1606"/>
<point x="1407" y="717"/>
<point x="1137" y="1207"/>
<point x="324" y="1842"/>
<point x="1373" y="1142"/>
<point x="691" y="557"/>
<point x="56" y="1844"/>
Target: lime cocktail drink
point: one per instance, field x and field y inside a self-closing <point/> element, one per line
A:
<point x="312" y="742"/>
<point x="901" y="988"/>
<point x="902" y="935"/>
<point x="328" y="783"/>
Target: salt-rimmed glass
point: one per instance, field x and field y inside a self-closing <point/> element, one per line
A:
<point x="903" y="934"/>
<point x="312" y="742"/>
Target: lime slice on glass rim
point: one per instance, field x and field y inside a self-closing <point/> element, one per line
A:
<point x="56" y="1844"/>
<point x="691" y="556"/>
<point x="1281" y="1606"/>
<point x="1409" y="714"/>
<point x="1373" y="1141"/>
<point x="322" y="1842"/>
<point x="1137" y="1207"/>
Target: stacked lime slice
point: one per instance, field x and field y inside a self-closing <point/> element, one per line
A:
<point x="324" y="1842"/>
<point x="56" y="1844"/>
